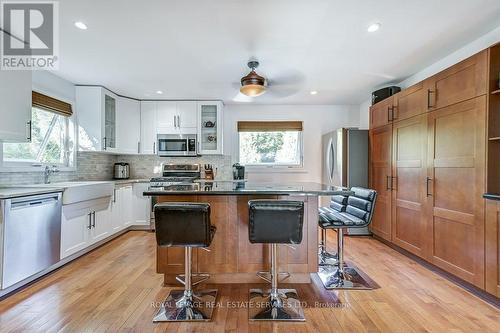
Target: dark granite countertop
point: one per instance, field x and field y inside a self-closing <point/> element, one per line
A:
<point x="246" y="188"/>
<point x="491" y="196"/>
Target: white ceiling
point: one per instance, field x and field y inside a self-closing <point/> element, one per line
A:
<point x="198" y="49"/>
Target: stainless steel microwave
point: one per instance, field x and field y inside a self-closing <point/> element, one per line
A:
<point x="177" y="145"/>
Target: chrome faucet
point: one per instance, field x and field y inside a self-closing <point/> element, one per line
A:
<point x="49" y="171"/>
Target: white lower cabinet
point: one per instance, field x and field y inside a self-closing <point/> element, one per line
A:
<point x="127" y="205"/>
<point x="83" y="224"/>
<point x="101" y="225"/>
<point x="141" y="204"/>
<point x="88" y="222"/>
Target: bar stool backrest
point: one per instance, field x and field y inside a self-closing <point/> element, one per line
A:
<point x="361" y="204"/>
<point x="338" y="203"/>
<point x="275" y="221"/>
<point x="182" y="224"/>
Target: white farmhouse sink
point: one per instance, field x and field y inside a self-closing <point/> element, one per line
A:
<point x="82" y="191"/>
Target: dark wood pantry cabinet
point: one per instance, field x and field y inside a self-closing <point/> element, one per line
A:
<point x="434" y="152"/>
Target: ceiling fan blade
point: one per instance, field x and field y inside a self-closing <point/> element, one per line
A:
<point x="242" y="98"/>
<point x="290" y="77"/>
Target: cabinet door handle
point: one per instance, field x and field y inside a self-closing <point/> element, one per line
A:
<point x="28" y="137"/>
<point x="427" y="183"/>
<point x="393" y="113"/>
<point x="429" y="93"/>
<point x="105" y="143"/>
<point x="179" y="121"/>
<point x="154" y="147"/>
<point x="114" y="195"/>
<point x="175" y="121"/>
<point x="93" y="219"/>
<point x="138" y="147"/>
<point x="389" y="114"/>
<point x="89" y="226"/>
<point x="388" y="183"/>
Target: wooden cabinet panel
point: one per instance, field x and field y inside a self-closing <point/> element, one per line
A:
<point x="380" y="179"/>
<point x="456" y="167"/>
<point x="409" y="102"/>
<point x="461" y="82"/>
<point x="409" y="169"/>
<point x="221" y="258"/>
<point x="492" y="246"/>
<point x="381" y="113"/>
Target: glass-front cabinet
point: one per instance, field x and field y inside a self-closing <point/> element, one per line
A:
<point x="109" y="141"/>
<point x="210" y="128"/>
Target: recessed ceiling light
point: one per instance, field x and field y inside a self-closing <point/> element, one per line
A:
<point x="159" y="92"/>
<point x="374" y="27"/>
<point x="80" y="25"/>
<point x="314" y="92"/>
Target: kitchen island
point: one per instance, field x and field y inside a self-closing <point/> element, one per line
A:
<point x="232" y="258"/>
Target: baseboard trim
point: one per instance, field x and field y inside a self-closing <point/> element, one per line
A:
<point x="482" y="294"/>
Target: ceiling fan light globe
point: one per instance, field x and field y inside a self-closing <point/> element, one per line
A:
<point x="253" y="90"/>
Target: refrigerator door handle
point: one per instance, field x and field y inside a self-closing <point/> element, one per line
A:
<point x="328" y="161"/>
<point x="332" y="151"/>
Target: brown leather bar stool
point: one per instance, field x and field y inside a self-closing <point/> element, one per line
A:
<point x="275" y="222"/>
<point x="185" y="225"/>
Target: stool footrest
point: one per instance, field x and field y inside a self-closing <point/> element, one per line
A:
<point x="202" y="277"/>
<point x="266" y="276"/>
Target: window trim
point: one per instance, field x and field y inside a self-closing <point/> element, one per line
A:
<point x="275" y="167"/>
<point x="37" y="167"/>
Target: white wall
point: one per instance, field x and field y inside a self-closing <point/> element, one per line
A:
<point x="54" y="86"/>
<point x="317" y="120"/>
<point x="468" y="50"/>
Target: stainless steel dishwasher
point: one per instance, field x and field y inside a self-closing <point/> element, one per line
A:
<point x="31" y="235"/>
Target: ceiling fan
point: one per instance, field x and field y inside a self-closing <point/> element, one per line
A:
<point x="253" y="84"/>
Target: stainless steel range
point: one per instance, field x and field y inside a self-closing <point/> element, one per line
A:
<point x="174" y="176"/>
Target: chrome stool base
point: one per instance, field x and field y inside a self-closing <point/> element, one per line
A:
<point x="327" y="258"/>
<point x="285" y="307"/>
<point x="179" y="306"/>
<point x="347" y="278"/>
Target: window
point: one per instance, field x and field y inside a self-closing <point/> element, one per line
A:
<point x="52" y="138"/>
<point x="270" y="143"/>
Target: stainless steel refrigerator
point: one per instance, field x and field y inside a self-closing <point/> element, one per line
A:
<point x="345" y="162"/>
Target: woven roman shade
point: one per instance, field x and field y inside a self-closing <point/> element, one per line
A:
<point x="269" y="126"/>
<point x="51" y="104"/>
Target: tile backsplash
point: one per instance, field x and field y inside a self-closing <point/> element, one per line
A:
<point x="147" y="166"/>
<point x="99" y="166"/>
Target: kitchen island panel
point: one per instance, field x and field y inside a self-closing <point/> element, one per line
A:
<point x="232" y="258"/>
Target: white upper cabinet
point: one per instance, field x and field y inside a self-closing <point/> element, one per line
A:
<point x="210" y="125"/>
<point x="15" y="105"/>
<point x="176" y="117"/>
<point x="166" y="116"/>
<point x="187" y="119"/>
<point x="148" y="127"/>
<point x="128" y="118"/>
<point x="204" y="118"/>
<point x="106" y="121"/>
<point x="96" y="111"/>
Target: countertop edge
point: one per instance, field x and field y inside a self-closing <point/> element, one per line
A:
<point x="302" y="193"/>
<point x="31" y="192"/>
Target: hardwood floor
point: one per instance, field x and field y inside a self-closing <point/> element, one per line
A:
<point x="115" y="288"/>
